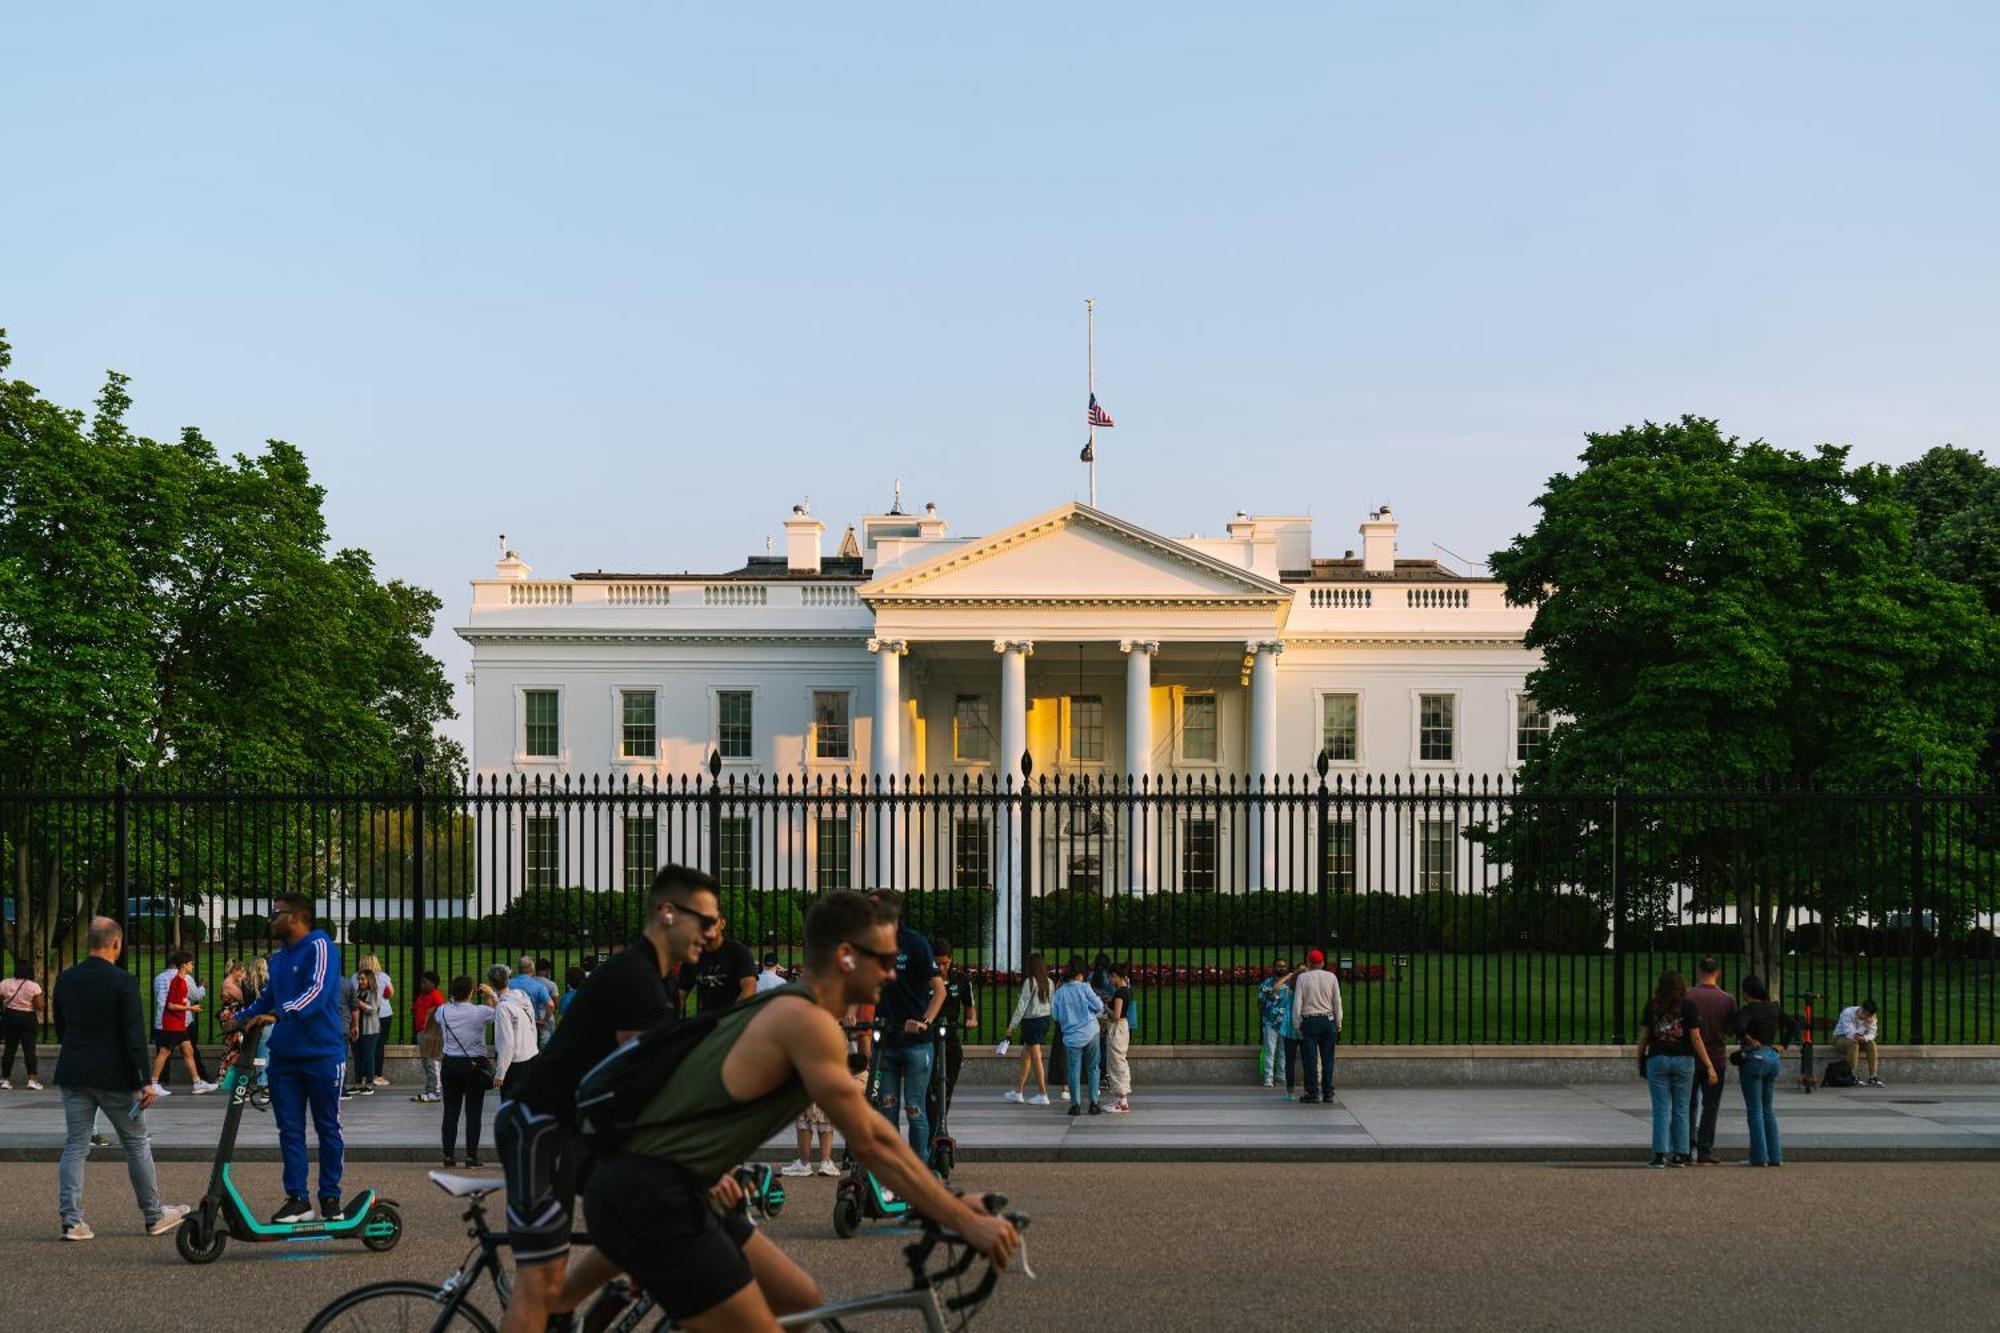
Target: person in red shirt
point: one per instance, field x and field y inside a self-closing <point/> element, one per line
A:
<point x="430" y="997"/>
<point x="176" y="1032"/>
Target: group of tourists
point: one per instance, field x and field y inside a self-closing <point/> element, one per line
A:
<point x="1091" y="1013"/>
<point x="1300" y="1017"/>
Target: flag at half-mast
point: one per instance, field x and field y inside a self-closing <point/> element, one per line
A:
<point x="1098" y="416"/>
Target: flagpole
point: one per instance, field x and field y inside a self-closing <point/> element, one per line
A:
<point x="1090" y="324"/>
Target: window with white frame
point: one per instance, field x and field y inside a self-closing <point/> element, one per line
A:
<point x="971" y="729"/>
<point x="1086" y="872"/>
<point x="642" y="852"/>
<point x="1342" y="852"/>
<point x="834" y="865"/>
<point x="832" y="728"/>
<point x="972" y="852"/>
<point x="638" y="735"/>
<point x="1340" y="727"/>
<point x="732" y="724"/>
<point x="541" y="852"/>
<point x="1437" y="854"/>
<point x="732" y="858"/>
<point x="1531" y="727"/>
<point x="1086" y="728"/>
<point x="1437" y="728"/>
<point x="1198" y="741"/>
<point x="541" y="724"/>
<point x="1200" y="846"/>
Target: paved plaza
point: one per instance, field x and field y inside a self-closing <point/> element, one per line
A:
<point x="1584" y="1123"/>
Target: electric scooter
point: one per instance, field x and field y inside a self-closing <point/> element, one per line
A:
<point x="373" y="1221"/>
<point x="859" y="1196"/>
<point x="1806" y="1081"/>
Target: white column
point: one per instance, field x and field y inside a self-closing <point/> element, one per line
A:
<point x="1140" y="833"/>
<point x="1263" y="757"/>
<point x="1009" y="907"/>
<point x="886" y="762"/>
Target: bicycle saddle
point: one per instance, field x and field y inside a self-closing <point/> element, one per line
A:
<point x="461" y="1187"/>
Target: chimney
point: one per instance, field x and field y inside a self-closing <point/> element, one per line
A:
<point x="510" y="567"/>
<point x="1378" y="543"/>
<point x="802" y="533"/>
<point x="930" y="527"/>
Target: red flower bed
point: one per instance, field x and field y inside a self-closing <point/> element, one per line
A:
<point x="1174" y="974"/>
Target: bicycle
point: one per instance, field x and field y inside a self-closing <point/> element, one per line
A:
<point x="405" y="1305"/>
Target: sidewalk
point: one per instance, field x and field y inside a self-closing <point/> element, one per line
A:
<point x="1592" y="1122"/>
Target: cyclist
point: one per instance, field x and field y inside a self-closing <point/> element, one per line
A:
<point x="534" y="1130"/>
<point x="768" y="1058"/>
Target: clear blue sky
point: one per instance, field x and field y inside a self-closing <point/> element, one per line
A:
<point x="625" y="281"/>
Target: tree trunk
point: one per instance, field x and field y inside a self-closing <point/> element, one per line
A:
<point x="1761" y="919"/>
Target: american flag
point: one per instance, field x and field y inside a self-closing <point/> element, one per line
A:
<point x="1098" y="416"/>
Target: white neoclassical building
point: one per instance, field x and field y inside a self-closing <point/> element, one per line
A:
<point x="1077" y="639"/>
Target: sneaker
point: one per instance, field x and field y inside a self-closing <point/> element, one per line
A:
<point x="1119" y="1107"/>
<point x="381" y="1082"/>
<point x="366" y="1089"/>
<point x="159" y="1091"/>
<point x="295" y="1209"/>
<point x="1039" y="1099"/>
<point x="34" y="1085"/>
<point x="449" y="1161"/>
<point x="1012" y="1096"/>
<point x="1096" y="1109"/>
<point x="1076" y="1110"/>
<point x="201" y="1088"/>
<point x="827" y="1168"/>
<point x="1680" y="1159"/>
<point x="81" y="1231"/>
<point x="346" y="1093"/>
<point x="5" y="1086"/>
<point x="170" y="1217"/>
<point x="475" y="1162"/>
<point x="329" y="1209"/>
<point x="1659" y="1159"/>
<point x="1875" y="1083"/>
<point x="1065" y="1094"/>
<point x="797" y="1168"/>
<point x="1269" y="1084"/>
<point x="99" y="1141"/>
<point x="1708" y="1159"/>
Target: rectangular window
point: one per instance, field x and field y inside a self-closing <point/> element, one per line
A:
<point x="1341" y="849"/>
<point x="1531" y="727"/>
<point x="639" y="737"/>
<point x="541" y="853"/>
<point x="836" y="853"/>
<point x="733" y="852"/>
<point x="1198" y="728"/>
<point x="642" y="852"/>
<point x="541" y="735"/>
<point x="831" y="732"/>
<point x="971" y="729"/>
<point x="1086" y="873"/>
<point x="1437" y="858"/>
<point x="732" y="724"/>
<point x="1340" y="727"/>
<point x="972" y="852"/>
<point x="1436" y="731"/>
<point x="1086" y="728"/>
<point x="1198" y="853"/>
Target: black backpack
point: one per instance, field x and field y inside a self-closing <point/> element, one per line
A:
<point x="1839" y="1074"/>
<point x="613" y="1095"/>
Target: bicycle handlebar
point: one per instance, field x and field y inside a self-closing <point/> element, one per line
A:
<point x="918" y="1254"/>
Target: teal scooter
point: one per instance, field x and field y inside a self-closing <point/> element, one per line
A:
<point x="858" y="1195"/>
<point x="373" y="1221"/>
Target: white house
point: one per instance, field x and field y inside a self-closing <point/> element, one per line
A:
<point x="1090" y="645"/>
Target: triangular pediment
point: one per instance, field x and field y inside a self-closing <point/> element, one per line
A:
<point x="1074" y="554"/>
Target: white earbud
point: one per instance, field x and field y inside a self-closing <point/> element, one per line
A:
<point x="846" y="964"/>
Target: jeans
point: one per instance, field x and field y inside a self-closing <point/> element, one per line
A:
<point x="294" y="1087"/>
<point x="1317" y="1035"/>
<point x="905" y="1077"/>
<point x="1292" y="1062"/>
<point x="433" y="1075"/>
<point x="80" y="1108"/>
<point x="1705" y="1102"/>
<point x="464" y="1090"/>
<point x="1274" y="1054"/>
<point x="1670" y="1081"/>
<point x="1084" y="1069"/>
<point x="1759" y="1078"/>
<point x="367" y="1057"/>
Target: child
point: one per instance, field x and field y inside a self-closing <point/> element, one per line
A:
<point x="430" y="995"/>
<point x="1118" y="1038"/>
<point x="366" y="1027"/>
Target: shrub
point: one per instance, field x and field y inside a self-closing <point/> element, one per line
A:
<point x="1716" y="937"/>
<point x="155" y="931"/>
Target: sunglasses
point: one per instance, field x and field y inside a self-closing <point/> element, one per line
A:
<point x="708" y="922"/>
<point x="885" y="961"/>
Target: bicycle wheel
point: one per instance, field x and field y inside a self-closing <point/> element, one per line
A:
<point x="396" y="1307"/>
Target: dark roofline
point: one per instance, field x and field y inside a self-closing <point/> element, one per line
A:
<point x="761" y="569"/>
<point x="1350" y="571"/>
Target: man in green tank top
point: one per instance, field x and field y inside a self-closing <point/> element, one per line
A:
<point x="650" y="1208"/>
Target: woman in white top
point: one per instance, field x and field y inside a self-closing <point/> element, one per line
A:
<point x="468" y="1068"/>
<point x="514" y="1040"/>
<point x="1031" y="1016"/>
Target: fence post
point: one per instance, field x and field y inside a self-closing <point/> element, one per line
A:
<point x="419" y="829"/>
<point x="1616" y="1019"/>
<point x="121" y="848"/>
<point x="715" y="813"/>
<point x="1916" y="1032"/>
<point x="1321" y="876"/>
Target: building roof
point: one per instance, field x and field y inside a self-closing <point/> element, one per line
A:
<point x="1349" y="570"/>
<point x="761" y="568"/>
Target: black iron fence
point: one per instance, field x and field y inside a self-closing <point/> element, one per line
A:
<point x="1456" y="911"/>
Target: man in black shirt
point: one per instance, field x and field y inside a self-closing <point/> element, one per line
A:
<point x="909" y="1006"/>
<point x="535" y="1128"/>
<point x="726" y="973"/>
<point x="959" y="1015"/>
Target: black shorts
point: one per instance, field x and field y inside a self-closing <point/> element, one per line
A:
<point x="164" y="1040"/>
<point x="654" y="1220"/>
<point x="538" y="1153"/>
<point x="1035" y="1031"/>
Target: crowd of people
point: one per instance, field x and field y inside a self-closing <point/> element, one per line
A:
<point x="1300" y="1015"/>
<point x="1091" y="1015"/>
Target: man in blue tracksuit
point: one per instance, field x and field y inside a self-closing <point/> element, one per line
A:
<point x="308" y="1050"/>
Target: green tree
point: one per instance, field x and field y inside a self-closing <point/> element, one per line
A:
<point x="1712" y="611"/>
<point x="161" y="603"/>
<point x="1955" y="494"/>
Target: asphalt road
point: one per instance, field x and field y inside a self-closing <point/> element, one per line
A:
<point x="1169" y="1247"/>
